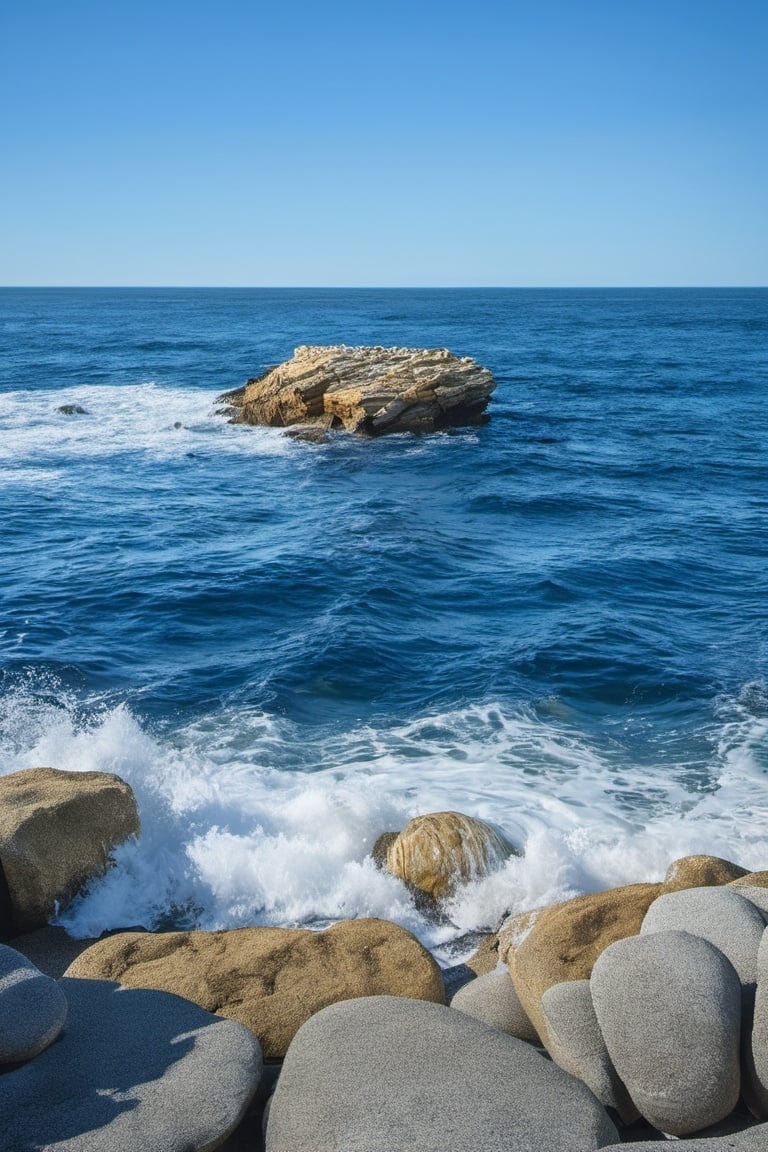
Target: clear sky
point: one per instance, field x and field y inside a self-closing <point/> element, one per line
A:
<point x="545" y="142"/>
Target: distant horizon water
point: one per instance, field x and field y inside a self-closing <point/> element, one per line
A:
<point x="555" y="622"/>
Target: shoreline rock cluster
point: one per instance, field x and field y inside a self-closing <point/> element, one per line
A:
<point x="617" y="1016"/>
<point x="371" y="391"/>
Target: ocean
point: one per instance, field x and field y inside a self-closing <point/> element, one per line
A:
<point x="555" y="622"/>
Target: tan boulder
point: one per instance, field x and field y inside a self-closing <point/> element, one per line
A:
<point x="752" y="879"/>
<point x="485" y="958"/>
<point x="434" y="853"/>
<point x="701" y="872"/>
<point x="564" y="941"/>
<point x="369" y="390"/>
<point x="270" y="979"/>
<point x="57" y="830"/>
<point x="514" y="930"/>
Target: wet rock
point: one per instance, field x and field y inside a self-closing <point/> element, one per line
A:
<point x="72" y="410"/>
<point x="368" y="390"/>
<point x="669" y="1008"/>
<point x="701" y="871"/>
<point x="388" y="1075"/>
<point x="434" y="853"/>
<point x="485" y="958"/>
<point x="270" y="979"/>
<point x="57" y="830"/>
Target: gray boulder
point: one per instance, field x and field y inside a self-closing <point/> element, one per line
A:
<point x="33" y="1008"/>
<point x="390" y="1075"/>
<point x="669" y="1008"/>
<point x="134" y="1071"/>
<point x="756" y="896"/>
<point x="492" y="1000"/>
<point x="576" y="1043"/>
<point x="729" y="921"/>
<point x="753" y="1139"/>
<point x="755" y="1045"/>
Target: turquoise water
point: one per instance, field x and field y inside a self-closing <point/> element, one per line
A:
<point x="556" y="621"/>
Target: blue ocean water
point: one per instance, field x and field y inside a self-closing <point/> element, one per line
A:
<point x="556" y="621"/>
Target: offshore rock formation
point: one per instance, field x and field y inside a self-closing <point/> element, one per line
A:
<point x="366" y="390"/>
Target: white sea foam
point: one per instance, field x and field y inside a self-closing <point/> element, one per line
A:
<point x="230" y="838"/>
<point x="38" y="443"/>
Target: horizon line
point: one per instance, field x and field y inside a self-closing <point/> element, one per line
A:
<point x="379" y="287"/>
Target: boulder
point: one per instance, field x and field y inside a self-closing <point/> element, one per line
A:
<point x="485" y="958"/>
<point x="389" y="1075"/>
<point x="514" y="929"/>
<point x="754" y="1139"/>
<point x="753" y="879"/>
<point x="701" y="871"/>
<point x="32" y="1008"/>
<point x="434" y="853"/>
<point x="577" y="1045"/>
<point x="757" y="896"/>
<point x="270" y="979"/>
<point x="720" y="915"/>
<point x="367" y="390"/>
<point x="756" y="1043"/>
<point x="492" y="999"/>
<point x="57" y="830"/>
<point x="669" y="1008"/>
<point x="134" y="1070"/>
<point x="564" y="941"/>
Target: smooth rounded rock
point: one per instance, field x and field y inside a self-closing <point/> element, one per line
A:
<point x="492" y="1000"/>
<point x="133" y="1071"/>
<point x="270" y="979"/>
<point x="755" y="1062"/>
<point x="754" y="1139"/>
<point x="756" y="895"/>
<point x="435" y="852"/>
<point x="576" y="1043"/>
<point x="753" y="879"/>
<point x="390" y="1075"/>
<point x="701" y="871"/>
<point x="33" y="1008"/>
<point x="564" y="941"/>
<point x="669" y="1008"/>
<point x="720" y="915"/>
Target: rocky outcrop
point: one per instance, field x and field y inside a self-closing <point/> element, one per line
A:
<point x="367" y="390"/>
<point x="434" y="853"/>
<point x="270" y="979"/>
<point x="57" y="830"/>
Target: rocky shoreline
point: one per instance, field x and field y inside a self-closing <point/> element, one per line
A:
<point x="631" y="1015"/>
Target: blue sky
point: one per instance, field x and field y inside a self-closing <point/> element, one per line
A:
<point x="551" y="142"/>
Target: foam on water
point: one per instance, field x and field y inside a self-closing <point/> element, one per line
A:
<point x="160" y="423"/>
<point x="230" y="839"/>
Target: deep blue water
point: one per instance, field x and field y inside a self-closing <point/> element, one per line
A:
<point x="556" y="621"/>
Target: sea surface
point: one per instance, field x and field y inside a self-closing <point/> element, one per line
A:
<point x="556" y="622"/>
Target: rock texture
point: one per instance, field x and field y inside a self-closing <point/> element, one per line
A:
<point x="565" y="940"/>
<point x="270" y="979"/>
<point x="368" y="390"/>
<point x="577" y="1045"/>
<point x="756" y="1043"/>
<point x="730" y="922"/>
<point x="133" y="1070"/>
<point x="700" y="871"/>
<point x="492" y="1000"/>
<point x="32" y="1008"/>
<point x="749" y="1140"/>
<point x="57" y="830"/>
<point x="669" y="1008"/>
<point x="434" y="853"/>
<point x="387" y="1075"/>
